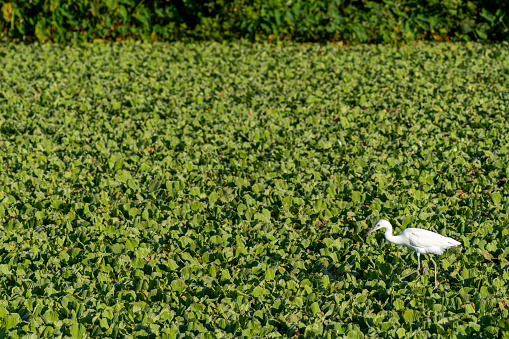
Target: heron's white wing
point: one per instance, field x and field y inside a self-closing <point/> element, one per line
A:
<point x="418" y="237"/>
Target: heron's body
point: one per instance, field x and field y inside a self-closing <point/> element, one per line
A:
<point x="422" y="241"/>
<point x="419" y="240"/>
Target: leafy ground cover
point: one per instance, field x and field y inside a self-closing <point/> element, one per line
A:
<point x="222" y="190"/>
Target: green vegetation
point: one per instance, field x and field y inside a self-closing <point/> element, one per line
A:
<point x="352" y="21"/>
<point x="223" y="190"/>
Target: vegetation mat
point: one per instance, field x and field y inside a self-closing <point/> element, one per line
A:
<point x="222" y="190"/>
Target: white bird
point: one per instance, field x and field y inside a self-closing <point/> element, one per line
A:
<point x="419" y="240"/>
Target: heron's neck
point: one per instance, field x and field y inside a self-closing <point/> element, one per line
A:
<point x="392" y="238"/>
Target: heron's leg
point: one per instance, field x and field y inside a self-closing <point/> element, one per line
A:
<point x="434" y="263"/>
<point x="424" y="267"/>
<point x="418" y="267"/>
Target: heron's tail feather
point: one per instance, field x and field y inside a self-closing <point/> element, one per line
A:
<point x="453" y="242"/>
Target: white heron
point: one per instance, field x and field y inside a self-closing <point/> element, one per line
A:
<point x="419" y="240"/>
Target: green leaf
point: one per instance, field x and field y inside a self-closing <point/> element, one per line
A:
<point x="315" y="308"/>
<point x="154" y="185"/>
<point x="484" y="291"/>
<point x="481" y="33"/>
<point x="131" y="244"/>
<point x="4" y="269"/>
<point x="138" y="263"/>
<point x="408" y="316"/>
<point x="399" y="304"/>
<point x="50" y="316"/>
<point x="118" y="165"/>
<point x="257" y="291"/>
<point x="325" y="281"/>
<point x="178" y="285"/>
<point x="10" y="321"/>
<point x="298" y="301"/>
<point x="117" y="248"/>
<point x="496" y="197"/>
<point x="132" y="184"/>
<point x="122" y="176"/>
<point x="400" y="332"/>
<point x="469" y="309"/>
<point x="406" y="221"/>
<point x="357" y="196"/>
<point x="77" y="330"/>
<point x="264" y="216"/>
<point x="270" y="274"/>
<point x="212" y="271"/>
<point x="133" y="211"/>
<point x="172" y="265"/>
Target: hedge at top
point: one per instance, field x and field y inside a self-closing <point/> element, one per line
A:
<point x="222" y="190"/>
<point x="300" y="20"/>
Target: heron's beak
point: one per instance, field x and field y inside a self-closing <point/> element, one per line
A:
<point x="371" y="231"/>
<point x="365" y="235"/>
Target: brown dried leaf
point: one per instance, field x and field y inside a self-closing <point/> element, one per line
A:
<point x="487" y="255"/>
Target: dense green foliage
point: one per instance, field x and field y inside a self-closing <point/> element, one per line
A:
<point x="356" y="21"/>
<point x="223" y="190"/>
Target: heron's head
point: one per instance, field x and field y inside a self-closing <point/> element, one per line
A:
<point x="379" y="224"/>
